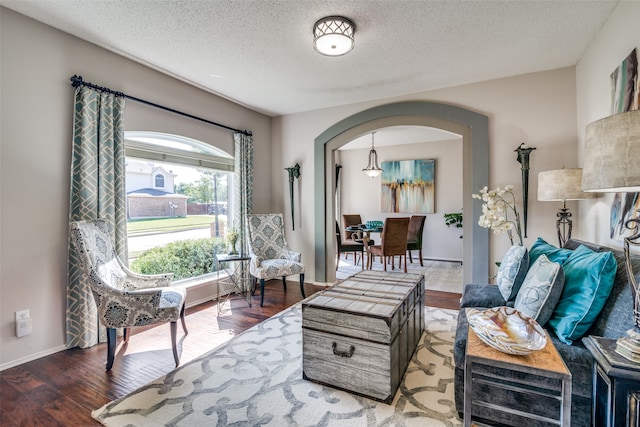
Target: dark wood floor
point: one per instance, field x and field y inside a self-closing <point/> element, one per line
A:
<point x="63" y="389"/>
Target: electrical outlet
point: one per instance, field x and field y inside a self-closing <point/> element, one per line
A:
<point x="22" y="315"/>
<point x="24" y="325"/>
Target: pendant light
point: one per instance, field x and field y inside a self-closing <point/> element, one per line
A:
<point x="372" y="168"/>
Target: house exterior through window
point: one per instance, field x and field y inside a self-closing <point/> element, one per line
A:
<point x="178" y="198"/>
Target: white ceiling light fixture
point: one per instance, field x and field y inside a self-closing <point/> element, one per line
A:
<point x="372" y="168"/>
<point x="333" y="35"/>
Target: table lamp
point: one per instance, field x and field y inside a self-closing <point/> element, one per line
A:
<point x="612" y="164"/>
<point x="560" y="185"/>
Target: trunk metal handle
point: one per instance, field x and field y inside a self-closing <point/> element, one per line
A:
<point x="348" y="354"/>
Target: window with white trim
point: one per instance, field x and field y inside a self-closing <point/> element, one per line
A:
<point x="178" y="204"/>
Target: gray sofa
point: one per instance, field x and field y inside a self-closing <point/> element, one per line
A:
<point x="614" y="320"/>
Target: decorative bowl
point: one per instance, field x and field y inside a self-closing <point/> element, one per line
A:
<point x="508" y="330"/>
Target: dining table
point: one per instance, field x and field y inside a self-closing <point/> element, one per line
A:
<point x="360" y="229"/>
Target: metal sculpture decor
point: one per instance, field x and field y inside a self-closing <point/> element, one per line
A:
<point x="523" y="158"/>
<point x="294" y="172"/>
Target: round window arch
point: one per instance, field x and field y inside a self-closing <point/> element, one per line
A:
<point x="473" y="128"/>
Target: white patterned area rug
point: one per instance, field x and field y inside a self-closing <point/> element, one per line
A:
<point x="255" y="379"/>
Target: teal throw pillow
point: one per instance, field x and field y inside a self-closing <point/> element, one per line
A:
<point x="588" y="280"/>
<point x="513" y="269"/>
<point x="554" y="254"/>
<point x="540" y="290"/>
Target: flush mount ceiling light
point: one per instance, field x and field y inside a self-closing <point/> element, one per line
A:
<point x="333" y="35"/>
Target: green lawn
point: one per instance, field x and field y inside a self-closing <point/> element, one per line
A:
<point x="164" y="225"/>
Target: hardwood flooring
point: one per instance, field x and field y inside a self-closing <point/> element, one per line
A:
<point x="63" y="389"/>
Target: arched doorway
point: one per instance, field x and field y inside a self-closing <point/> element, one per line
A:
<point x="473" y="128"/>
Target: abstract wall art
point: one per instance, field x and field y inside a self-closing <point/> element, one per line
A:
<point x="408" y="186"/>
<point x="625" y="96"/>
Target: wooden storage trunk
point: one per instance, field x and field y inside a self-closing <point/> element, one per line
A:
<point x="359" y="335"/>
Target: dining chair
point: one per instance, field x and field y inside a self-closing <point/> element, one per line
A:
<point x="269" y="252"/>
<point x="349" y="246"/>
<point x="349" y="220"/>
<point x="394" y="242"/>
<point x="124" y="298"/>
<point x="414" y="236"/>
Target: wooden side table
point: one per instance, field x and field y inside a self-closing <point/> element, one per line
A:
<point x="238" y="279"/>
<point x="616" y="384"/>
<point x="500" y="387"/>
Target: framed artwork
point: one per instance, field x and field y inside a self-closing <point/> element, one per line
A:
<point x="408" y="186"/>
<point x="625" y="96"/>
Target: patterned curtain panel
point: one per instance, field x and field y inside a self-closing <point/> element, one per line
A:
<point x="97" y="191"/>
<point x="243" y="189"/>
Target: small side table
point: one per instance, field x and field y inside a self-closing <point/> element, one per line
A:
<point x="540" y="377"/>
<point x="616" y="384"/>
<point x="238" y="279"/>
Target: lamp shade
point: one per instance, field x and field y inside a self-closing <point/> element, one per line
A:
<point x="612" y="154"/>
<point x="561" y="185"/>
<point x="333" y="35"/>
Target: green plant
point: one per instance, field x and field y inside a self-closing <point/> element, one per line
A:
<point x="453" y="219"/>
<point x="183" y="258"/>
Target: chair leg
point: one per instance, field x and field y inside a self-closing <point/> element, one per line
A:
<point x="384" y="262"/>
<point x="337" y="260"/>
<point x="410" y="259"/>
<point x="111" y="347"/>
<point x="302" y="285"/>
<point x="261" y="292"/>
<point x="126" y="334"/>
<point x="284" y="283"/>
<point x="174" y="332"/>
<point x="420" y="252"/>
<point x="184" y="324"/>
<point x="405" y="262"/>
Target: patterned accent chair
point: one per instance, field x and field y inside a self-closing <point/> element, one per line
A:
<point x="269" y="252"/>
<point x="414" y="236"/>
<point x="124" y="298"/>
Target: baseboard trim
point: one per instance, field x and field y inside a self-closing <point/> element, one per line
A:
<point x="444" y="260"/>
<point x="32" y="357"/>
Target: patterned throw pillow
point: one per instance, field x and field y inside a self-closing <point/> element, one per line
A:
<point x="512" y="271"/>
<point x="541" y="290"/>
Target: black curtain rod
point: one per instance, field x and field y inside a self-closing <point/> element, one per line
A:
<point x="78" y="81"/>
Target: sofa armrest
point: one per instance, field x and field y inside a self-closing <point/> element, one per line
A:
<point x="482" y="295"/>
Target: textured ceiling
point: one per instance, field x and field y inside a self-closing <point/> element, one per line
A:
<point x="259" y="53"/>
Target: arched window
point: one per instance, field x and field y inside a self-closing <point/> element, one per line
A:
<point x="189" y="178"/>
<point x="159" y="181"/>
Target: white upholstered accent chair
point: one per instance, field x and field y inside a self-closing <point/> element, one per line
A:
<point x="124" y="298"/>
<point x="270" y="254"/>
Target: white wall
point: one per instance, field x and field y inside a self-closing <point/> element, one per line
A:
<point x="538" y="108"/>
<point x="36" y="103"/>
<point x="614" y="42"/>
<point x="361" y="194"/>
